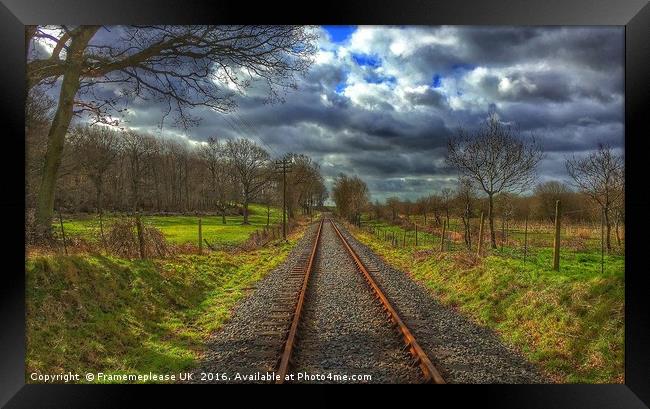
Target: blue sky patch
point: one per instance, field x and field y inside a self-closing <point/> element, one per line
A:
<point x="340" y="34"/>
<point x="367" y="60"/>
<point x="436" y="82"/>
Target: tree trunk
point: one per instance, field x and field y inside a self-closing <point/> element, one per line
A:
<point x="493" y="238"/>
<point x="245" y="211"/>
<point x="608" y="225"/>
<point x="98" y="188"/>
<point x="618" y="234"/>
<point x="447" y="215"/>
<point x="58" y="129"/>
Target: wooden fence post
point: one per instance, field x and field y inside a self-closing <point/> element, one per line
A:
<point x="200" y="238"/>
<point x="404" y="239"/>
<point x="556" y="241"/>
<point x="526" y="239"/>
<point x="503" y="231"/>
<point x="65" y="247"/>
<point x="602" y="242"/>
<point x="138" y="227"/>
<point x="442" y="237"/>
<point x="480" y="236"/>
<point x="101" y="229"/>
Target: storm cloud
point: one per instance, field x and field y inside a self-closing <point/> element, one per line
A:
<point x="381" y="102"/>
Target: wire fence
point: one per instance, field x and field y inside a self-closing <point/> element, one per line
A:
<point x="531" y="241"/>
<point x="140" y="236"/>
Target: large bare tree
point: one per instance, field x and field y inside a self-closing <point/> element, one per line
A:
<point x="180" y="67"/>
<point x="497" y="157"/>
<point x="601" y="176"/>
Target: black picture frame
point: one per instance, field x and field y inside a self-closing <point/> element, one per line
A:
<point x="634" y="15"/>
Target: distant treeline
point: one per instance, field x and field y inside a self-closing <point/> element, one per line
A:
<point x="106" y="169"/>
<point x="496" y="163"/>
<point x="539" y="206"/>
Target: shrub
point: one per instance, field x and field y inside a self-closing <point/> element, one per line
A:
<point x="122" y="240"/>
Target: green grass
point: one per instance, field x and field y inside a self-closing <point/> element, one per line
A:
<point x="581" y="237"/>
<point x="570" y="322"/>
<point x="182" y="229"/>
<point x="92" y="313"/>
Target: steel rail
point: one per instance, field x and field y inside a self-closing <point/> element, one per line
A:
<point x="285" y="359"/>
<point x="431" y="374"/>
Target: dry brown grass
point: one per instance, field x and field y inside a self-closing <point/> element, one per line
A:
<point x="122" y="240"/>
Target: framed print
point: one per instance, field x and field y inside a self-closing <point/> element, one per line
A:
<point x="387" y="193"/>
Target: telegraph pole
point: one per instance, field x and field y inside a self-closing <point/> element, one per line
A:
<point x="284" y="165"/>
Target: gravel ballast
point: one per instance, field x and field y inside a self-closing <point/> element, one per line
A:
<point x="240" y="346"/>
<point x="463" y="351"/>
<point x="344" y="332"/>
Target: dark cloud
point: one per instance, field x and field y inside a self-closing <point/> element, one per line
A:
<point x="430" y="97"/>
<point x="383" y="108"/>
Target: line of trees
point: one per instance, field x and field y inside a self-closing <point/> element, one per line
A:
<point x="182" y="67"/>
<point x="106" y="169"/>
<point x="496" y="164"/>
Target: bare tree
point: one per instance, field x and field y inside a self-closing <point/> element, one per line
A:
<point x="393" y="204"/>
<point x="249" y="163"/>
<point x="38" y="115"/>
<point x="351" y="196"/>
<point x="268" y="198"/>
<point x="446" y="195"/>
<point x="546" y="194"/>
<point x="97" y="148"/>
<point x="182" y="67"/>
<point x="497" y="158"/>
<point x="601" y="176"/>
<point x="423" y="207"/>
<point x="465" y="199"/>
<point x="304" y="183"/>
<point x="214" y="155"/>
<point x="619" y="216"/>
<point x="137" y="148"/>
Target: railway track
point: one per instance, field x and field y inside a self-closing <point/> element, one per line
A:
<point x="294" y="303"/>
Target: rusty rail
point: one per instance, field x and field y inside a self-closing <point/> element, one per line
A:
<point x="431" y="374"/>
<point x="293" y="330"/>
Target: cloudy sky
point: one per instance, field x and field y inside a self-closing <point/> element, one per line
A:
<point x="380" y="102"/>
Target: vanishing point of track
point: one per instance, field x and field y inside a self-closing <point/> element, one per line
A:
<point x="303" y="273"/>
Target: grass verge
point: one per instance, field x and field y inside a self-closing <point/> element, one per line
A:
<point x="181" y="229"/>
<point x="98" y="313"/>
<point x="570" y="323"/>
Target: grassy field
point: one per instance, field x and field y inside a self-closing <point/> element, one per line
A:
<point x="181" y="229"/>
<point x="582" y="237"/>
<point x="570" y="323"/>
<point x="91" y="312"/>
